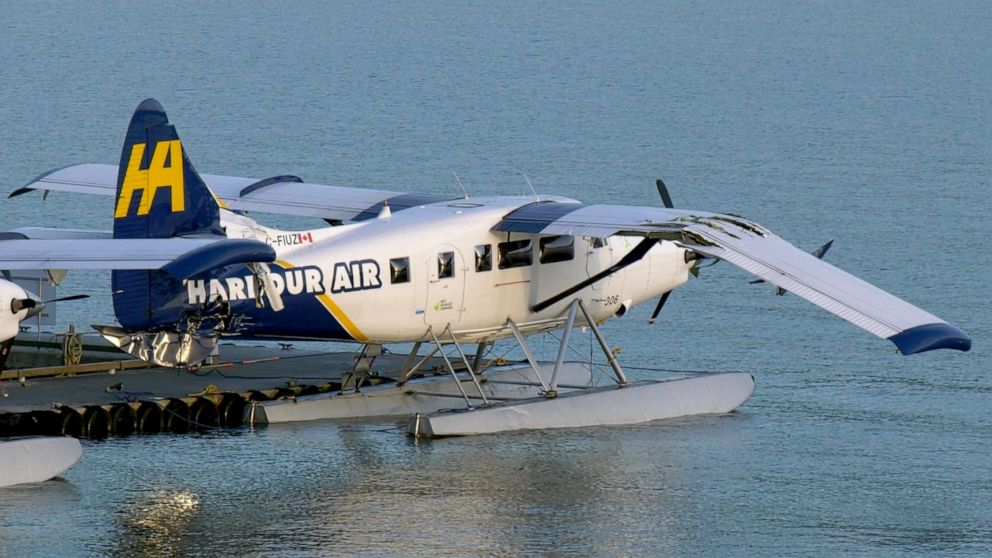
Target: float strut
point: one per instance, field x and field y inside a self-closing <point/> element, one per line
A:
<point x="621" y="378"/>
<point x="444" y="355"/>
<point x="479" y="354"/>
<point x="471" y="372"/>
<point x="565" y="335"/>
<point x="530" y="356"/>
<point x="410" y="371"/>
<point x="408" y="364"/>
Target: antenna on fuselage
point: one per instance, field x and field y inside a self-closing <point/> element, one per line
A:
<point x="385" y="213"/>
<point x="533" y="191"/>
<point x="460" y="185"/>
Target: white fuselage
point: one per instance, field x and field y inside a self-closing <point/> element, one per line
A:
<point x="387" y="279"/>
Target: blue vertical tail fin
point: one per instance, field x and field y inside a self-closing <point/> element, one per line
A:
<point x="159" y="195"/>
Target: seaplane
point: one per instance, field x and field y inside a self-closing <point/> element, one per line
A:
<point x="28" y="459"/>
<point x="190" y="266"/>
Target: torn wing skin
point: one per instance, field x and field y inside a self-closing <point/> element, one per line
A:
<point x="757" y="250"/>
<point x="284" y="195"/>
<point x="181" y="257"/>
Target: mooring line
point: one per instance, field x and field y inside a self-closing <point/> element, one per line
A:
<point x="191" y="421"/>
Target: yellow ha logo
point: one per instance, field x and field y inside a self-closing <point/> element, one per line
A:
<point x="156" y="176"/>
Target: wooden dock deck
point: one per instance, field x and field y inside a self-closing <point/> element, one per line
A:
<point x="117" y="396"/>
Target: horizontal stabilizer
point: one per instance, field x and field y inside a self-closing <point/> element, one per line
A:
<point x="46" y="233"/>
<point x="181" y="257"/>
<point x="219" y="254"/>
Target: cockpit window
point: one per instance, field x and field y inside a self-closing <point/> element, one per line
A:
<point x="557" y="249"/>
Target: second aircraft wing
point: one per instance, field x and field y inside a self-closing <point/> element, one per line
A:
<point x="284" y="195"/>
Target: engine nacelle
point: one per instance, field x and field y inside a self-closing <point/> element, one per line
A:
<point x="16" y="304"/>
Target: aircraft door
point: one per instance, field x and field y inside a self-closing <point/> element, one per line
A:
<point x="607" y="293"/>
<point x="446" y="271"/>
<point x="600" y="257"/>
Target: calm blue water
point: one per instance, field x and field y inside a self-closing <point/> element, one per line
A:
<point x="868" y="123"/>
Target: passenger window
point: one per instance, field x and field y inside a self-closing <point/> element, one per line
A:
<point x="399" y="270"/>
<point x="557" y="249"/>
<point x="484" y="257"/>
<point x="516" y="253"/>
<point x="596" y="242"/>
<point x="445" y="265"/>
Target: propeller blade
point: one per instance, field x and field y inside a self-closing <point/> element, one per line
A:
<point x="657" y="309"/>
<point x="633" y="256"/>
<point x="822" y="250"/>
<point x="65" y="298"/>
<point x="35" y="307"/>
<point x="663" y="191"/>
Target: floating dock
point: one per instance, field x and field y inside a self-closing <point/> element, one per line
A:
<point x="113" y="395"/>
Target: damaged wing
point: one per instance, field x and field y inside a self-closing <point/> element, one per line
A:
<point x="284" y="195"/>
<point x="757" y="250"/>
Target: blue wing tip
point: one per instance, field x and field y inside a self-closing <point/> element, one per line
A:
<point x="930" y="337"/>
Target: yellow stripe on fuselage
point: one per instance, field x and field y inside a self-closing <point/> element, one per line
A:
<point x="334" y="309"/>
<point x="343" y="319"/>
<point x="219" y="201"/>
